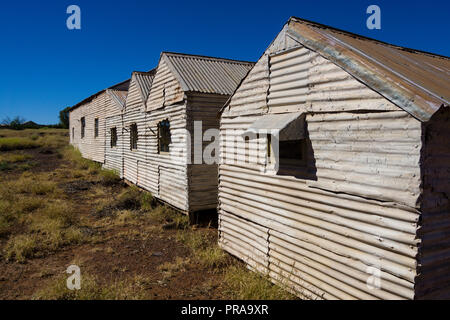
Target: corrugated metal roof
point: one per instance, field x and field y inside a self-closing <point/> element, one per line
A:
<point x="122" y="86"/>
<point x="416" y="81"/>
<point x="207" y="74"/>
<point x="144" y="81"/>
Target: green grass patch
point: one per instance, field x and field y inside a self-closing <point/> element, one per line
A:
<point x="169" y="218"/>
<point x="148" y="202"/>
<point x="14" y="157"/>
<point x="87" y="166"/>
<point x="17" y="143"/>
<point x="6" y="166"/>
<point x="21" y="247"/>
<point x="34" y="217"/>
<point x="243" y="284"/>
<point x="51" y="226"/>
<point x="6" y="222"/>
<point x="109" y="177"/>
<point x="129" y="289"/>
<point x="27" y="183"/>
<point x="10" y="161"/>
<point x="205" y="250"/>
<point x="14" y="208"/>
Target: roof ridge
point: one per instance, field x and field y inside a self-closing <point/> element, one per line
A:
<point x="348" y="33"/>
<point x="142" y="72"/>
<point x="118" y="84"/>
<point x="207" y="57"/>
<point x="145" y="72"/>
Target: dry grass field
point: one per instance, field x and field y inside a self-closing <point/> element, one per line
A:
<point x="58" y="209"/>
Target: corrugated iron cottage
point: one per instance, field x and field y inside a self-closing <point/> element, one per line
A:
<point x="160" y="129"/>
<point x="144" y="128"/>
<point x="335" y="167"/>
<point x="87" y="120"/>
<point x="134" y="133"/>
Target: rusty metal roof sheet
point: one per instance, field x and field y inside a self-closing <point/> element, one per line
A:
<point x="416" y="81"/>
<point x="207" y="74"/>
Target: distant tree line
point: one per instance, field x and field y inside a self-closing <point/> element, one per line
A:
<point x="19" y="123"/>
<point x="64" y="118"/>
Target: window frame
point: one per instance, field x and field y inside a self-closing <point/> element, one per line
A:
<point x="96" y="125"/>
<point x="160" y="138"/>
<point x="113" y="137"/>
<point x="134" y="136"/>
<point x="83" y="127"/>
<point x="287" y="163"/>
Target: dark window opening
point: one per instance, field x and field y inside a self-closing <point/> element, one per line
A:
<point x="96" y="128"/>
<point x="83" y="126"/>
<point x="291" y="153"/>
<point x="113" y="137"/>
<point x="164" y="138"/>
<point x="73" y="133"/>
<point x="133" y="136"/>
<point x="247" y="149"/>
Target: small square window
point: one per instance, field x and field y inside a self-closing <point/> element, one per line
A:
<point x="291" y="153"/>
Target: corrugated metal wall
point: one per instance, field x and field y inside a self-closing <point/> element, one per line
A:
<point x="144" y="82"/>
<point x="170" y="181"/>
<point x="91" y="147"/>
<point x="177" y="181"/>
<point x="165" y="176"/>
<point x="166" y="90"/>
<point x="100" y="107"/>
<point x="156" y="96"/>
<point x="355" y="209"/>
<point x="134" y="113"/>
<point x="322" y="234"/>
<point x="301" y="80"/>
<point x="202" y="188"/>
<point x="114" y="155"/>
<point x="434" y="260"/>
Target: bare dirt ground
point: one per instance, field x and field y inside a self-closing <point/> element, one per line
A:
<point x="124" y="252"/>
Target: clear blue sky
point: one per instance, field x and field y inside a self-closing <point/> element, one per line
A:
<point x="46" y="67"/>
